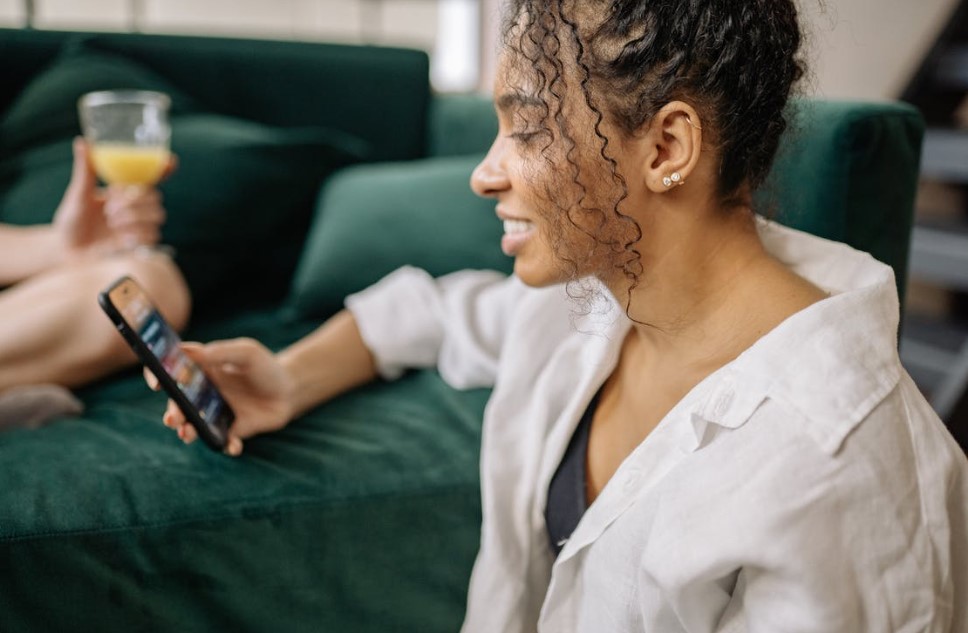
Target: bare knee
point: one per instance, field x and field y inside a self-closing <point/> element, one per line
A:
<point x="163" y="282"/>
<point x="55" y="332"/>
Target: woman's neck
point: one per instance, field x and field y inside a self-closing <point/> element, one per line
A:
<point x="709" y="289"/>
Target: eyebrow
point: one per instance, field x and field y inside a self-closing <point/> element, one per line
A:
<point x="510" y="100"/>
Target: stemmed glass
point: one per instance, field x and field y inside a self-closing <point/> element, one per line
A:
<point x="129" y="135"/>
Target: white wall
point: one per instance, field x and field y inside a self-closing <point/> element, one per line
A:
<point x="860" y="49"/>
<point x="394" y="22"/>
<point x="869" y="49"/>
<point x="11" y="13"/>
<point x="437" y="26"/>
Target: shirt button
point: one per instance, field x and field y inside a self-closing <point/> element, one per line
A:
<point x="723" y="402"/>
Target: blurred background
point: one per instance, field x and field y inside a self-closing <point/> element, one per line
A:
<point x="858" y="49"/>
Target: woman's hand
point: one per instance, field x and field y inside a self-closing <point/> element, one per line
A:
<point x="94" y="221"/>
<point x="251" y="379"/>
<point x="267" y="390"/>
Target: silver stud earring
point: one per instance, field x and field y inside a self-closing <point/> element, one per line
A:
<point x="676" y="178"/>
<point x="667" y="181"/>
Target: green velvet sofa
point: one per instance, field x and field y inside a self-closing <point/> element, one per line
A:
<point x="308" y="171"/>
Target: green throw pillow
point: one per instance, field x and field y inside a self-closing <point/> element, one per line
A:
<point x="372" y="219"/>
<point x="32" y="182"/>
<point x="241" y="201"/>
<point x="46" y="109"/>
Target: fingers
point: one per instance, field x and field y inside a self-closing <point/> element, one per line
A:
<point x="134" y="201"/>
<point x="171" y="168"/>
<point x="175" y="419"/>
<point x="233" y="356"/>
<point x="134" y="215"/>
<point x="82" y="189"/>
<point x="133" y="205"/>
<point x="82" y="173"/>
<point x="138" y="236"/>
<point x="150" y="378"/>
<point x="187" y="433"/>
<point x="234" y="446"/>
<point x="226" y="363"/>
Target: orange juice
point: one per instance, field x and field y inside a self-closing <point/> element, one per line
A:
<point x="123" y="164"/>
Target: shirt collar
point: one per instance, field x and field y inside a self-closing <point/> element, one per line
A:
<point x="832" y="362"/>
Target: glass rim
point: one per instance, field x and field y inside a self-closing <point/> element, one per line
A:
<point x="122" y="97"/>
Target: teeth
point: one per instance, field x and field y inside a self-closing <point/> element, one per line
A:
<point x="516" y="226"/>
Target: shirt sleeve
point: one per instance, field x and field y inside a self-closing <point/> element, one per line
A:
<point x="835" y="560"/>
<point x="456" y="323"/>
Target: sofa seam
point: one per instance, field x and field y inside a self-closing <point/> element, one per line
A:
<point x="246" y="516"/>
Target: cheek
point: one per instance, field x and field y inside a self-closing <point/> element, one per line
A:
<point x="542" y="190"/>
<point x="587" y="229"/>
<point x="575" y="208"/>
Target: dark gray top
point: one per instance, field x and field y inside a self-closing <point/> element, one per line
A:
<point x="567" y="497"/>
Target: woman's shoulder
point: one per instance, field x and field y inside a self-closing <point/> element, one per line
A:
<point x="897" y="443"/>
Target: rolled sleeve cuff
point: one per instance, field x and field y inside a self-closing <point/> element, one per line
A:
<point x="398" y="318"/>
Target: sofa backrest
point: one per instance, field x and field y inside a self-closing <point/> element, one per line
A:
<point x="257" y="125"/>
<point x="380" y="94"/>
<point x="24" y="54"/>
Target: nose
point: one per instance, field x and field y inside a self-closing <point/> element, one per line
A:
<point x="490" y="176"/>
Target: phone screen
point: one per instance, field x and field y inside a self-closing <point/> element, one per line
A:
<point x="161" y="340"/>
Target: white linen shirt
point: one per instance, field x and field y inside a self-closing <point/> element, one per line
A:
<point x="805" y="486"/>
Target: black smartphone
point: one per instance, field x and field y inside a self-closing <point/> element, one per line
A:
<point x="157" y="346"/>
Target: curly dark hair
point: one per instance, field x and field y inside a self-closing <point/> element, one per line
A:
<point x="734" y="61"/>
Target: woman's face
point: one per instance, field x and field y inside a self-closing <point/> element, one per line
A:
<point x="558" y="202"/>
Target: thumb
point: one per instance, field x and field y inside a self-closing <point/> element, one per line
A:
<point x="221" y="355"/>
<point x="196" y="352"/>
<point x="83" y="179"/>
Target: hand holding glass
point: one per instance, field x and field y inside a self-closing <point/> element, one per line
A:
<point x="129" y="135"/>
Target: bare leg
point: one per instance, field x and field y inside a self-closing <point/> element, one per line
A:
<point x="53" y="331"/>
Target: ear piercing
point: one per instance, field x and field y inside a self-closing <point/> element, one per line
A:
<point x="674" y="179"/>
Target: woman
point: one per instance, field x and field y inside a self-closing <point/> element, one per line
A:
<point x="699" y="421"/>
<point x="53" y="335"/>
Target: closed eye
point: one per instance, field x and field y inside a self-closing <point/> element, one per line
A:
<point x="524" y="137"/>
<point x="528" y="138"/>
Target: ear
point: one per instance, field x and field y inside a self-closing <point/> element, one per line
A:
<point x="672" y="144"/>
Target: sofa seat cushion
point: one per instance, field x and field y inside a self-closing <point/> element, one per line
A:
<point x="350" y="505"/>
<point x="372" y="219"/>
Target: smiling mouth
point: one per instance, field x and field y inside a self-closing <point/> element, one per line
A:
<point x="516" y="235"/>
<point x="515" y="227"/>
